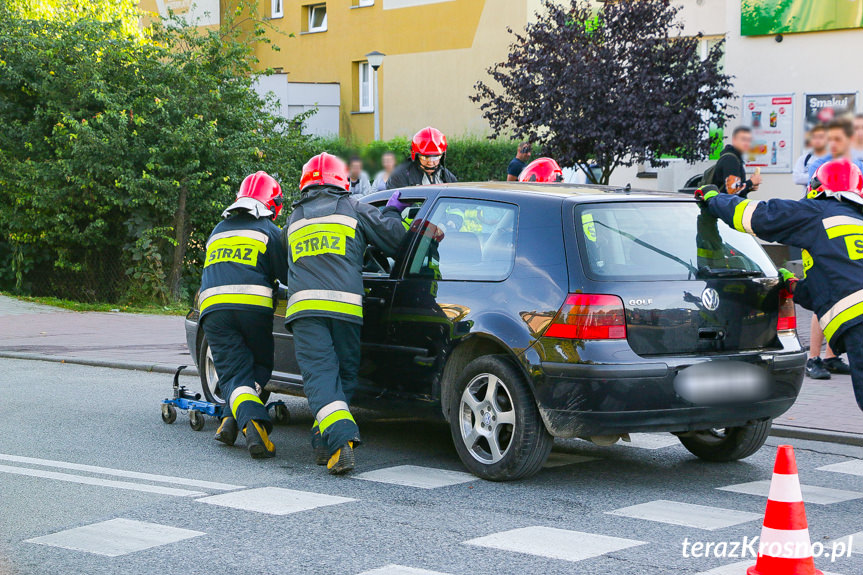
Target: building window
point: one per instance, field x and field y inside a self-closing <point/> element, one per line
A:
<point x="366" y="87"/>
<point x="277" y="9"/>
<point x="318" y="18"/>
<point x="363" y="3"/>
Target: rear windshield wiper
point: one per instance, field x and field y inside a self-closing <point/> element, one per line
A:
<point x="693" y="271"/>
<point x="706" y="272"/>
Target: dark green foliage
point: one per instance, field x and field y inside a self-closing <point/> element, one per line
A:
<point x="470" y="159"/>
<point x="118" y="153"/>
<point x="611" y="83"/>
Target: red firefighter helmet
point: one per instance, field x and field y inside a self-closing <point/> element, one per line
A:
<point x="541" y="170"/>
<point x="428" y="142"/>
<point x="264" y="188"/>
<point x="325" y="170"/>
<point x="836" y="176"/>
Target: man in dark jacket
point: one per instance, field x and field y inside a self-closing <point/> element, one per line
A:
<point x="729" y="174"/>
<point x="828" y="226"/>
<point x="326" y="239"/>
<point x="428" y="152"/>
<point x="245" y="258"/>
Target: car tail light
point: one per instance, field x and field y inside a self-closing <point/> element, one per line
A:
<point x="787" y="322"/>
<point x="589" y="316"/>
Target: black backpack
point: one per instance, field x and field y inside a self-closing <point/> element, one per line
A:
<point x="707" y="177"/>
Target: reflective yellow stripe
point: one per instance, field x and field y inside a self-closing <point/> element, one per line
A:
<point x="842" y="225"/>
<point x="237" y="298"/>
<point x="339" y="415"/>
<point x="845" y="230"/>
<point x="711" y="254"/>
<point x="331" y="408"/>
<point x="237" y="241"/>
<point x="243" y="397"/>
<point x="249" y="289"/>
<point x="331" y="295"/>
<point x="743" y="213"/>
<point x="325" y="305"/>
<point x="808" y="262"/>
<point x="339" y="229"/>
<point x="848" y="308"/>
<point x="245" y="234"/>
<point x="347" y="221"/>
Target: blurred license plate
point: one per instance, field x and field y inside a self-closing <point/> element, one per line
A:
<point x="721" y="382"/>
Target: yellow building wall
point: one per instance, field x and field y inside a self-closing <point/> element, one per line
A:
<point x="435" y="53"/>
<point x="432" y="88"/>
<point x="412" y="38"/>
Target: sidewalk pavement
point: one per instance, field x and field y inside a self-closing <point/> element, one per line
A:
<point x="824" y="406"/>
<point x="146" y="342"/>
<point x="825" y="409"/>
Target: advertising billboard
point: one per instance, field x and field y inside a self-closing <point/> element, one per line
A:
<point x="771" y="118"/>
<point x="821" y="108"/>
<point x="761" y="17"/>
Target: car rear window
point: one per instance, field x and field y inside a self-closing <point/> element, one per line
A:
<point x="663" y="241"/>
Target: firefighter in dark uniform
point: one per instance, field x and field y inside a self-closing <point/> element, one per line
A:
<point x="828" y="226"/>
<point x="326" y="239"/>
<point x="426" y="166"/>
<point x="245" y="258"/>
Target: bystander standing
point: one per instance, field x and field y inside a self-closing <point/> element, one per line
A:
<point x="518" y="162"/>
<point x="857" y="146"/>
<point x="729" y="173"/>
<point x="359" y="179"/>
<point x="388" y="163"/>
<point x="840" y="132"/>
<point x="817" y="149"/>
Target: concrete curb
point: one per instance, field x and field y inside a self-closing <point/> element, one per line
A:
<point x="816" y="435"/>
<point x="114" y="364"/>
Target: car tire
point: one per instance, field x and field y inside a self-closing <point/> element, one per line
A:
<point x="499" y="435"/>
<point x="207" y="372"/>
<point x="729" y="444"/>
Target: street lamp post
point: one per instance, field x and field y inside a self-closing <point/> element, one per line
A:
<point x="376" y="60"/>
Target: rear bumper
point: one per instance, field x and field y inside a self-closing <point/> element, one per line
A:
<point x="583" y="400"/>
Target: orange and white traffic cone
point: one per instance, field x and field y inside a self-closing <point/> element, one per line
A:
<point x="784" y="547"/>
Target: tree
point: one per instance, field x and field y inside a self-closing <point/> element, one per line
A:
<point x="615" y="86"/>
<point x="118" y="151"/>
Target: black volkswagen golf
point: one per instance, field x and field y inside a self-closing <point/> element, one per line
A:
<point x="567" y="311"/>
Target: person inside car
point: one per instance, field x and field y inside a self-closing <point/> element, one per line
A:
<point x="426" y="166"/>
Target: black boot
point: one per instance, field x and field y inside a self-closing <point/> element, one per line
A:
<point x="227" y="432"/>
<point x="322" y="454"/>
<point x="342" y="460"/>
<point x="257" y="440"/>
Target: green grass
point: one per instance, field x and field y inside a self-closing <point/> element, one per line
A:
<point x="173" y="309"/>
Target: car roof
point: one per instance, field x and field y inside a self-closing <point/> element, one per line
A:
<point x="572" y="192"/>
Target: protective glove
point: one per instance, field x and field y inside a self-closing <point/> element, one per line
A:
<point x="705" y="193"/>
<point x="789" y="280"/>
<point x="396" y="202"/>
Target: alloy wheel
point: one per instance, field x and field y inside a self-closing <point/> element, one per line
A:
<point x="487" y="418"/>
<point x="212" y="377"/>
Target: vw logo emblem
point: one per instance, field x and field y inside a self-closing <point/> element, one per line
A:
<point x="710" y="299"/>
<point x="486" y="418"/>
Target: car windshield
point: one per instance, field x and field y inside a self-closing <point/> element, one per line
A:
<point x="664" y="241"/>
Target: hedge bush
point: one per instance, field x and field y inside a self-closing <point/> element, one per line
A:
<point x="471" y="159"/>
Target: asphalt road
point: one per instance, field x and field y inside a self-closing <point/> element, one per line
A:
<point x="212" y="508"/>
